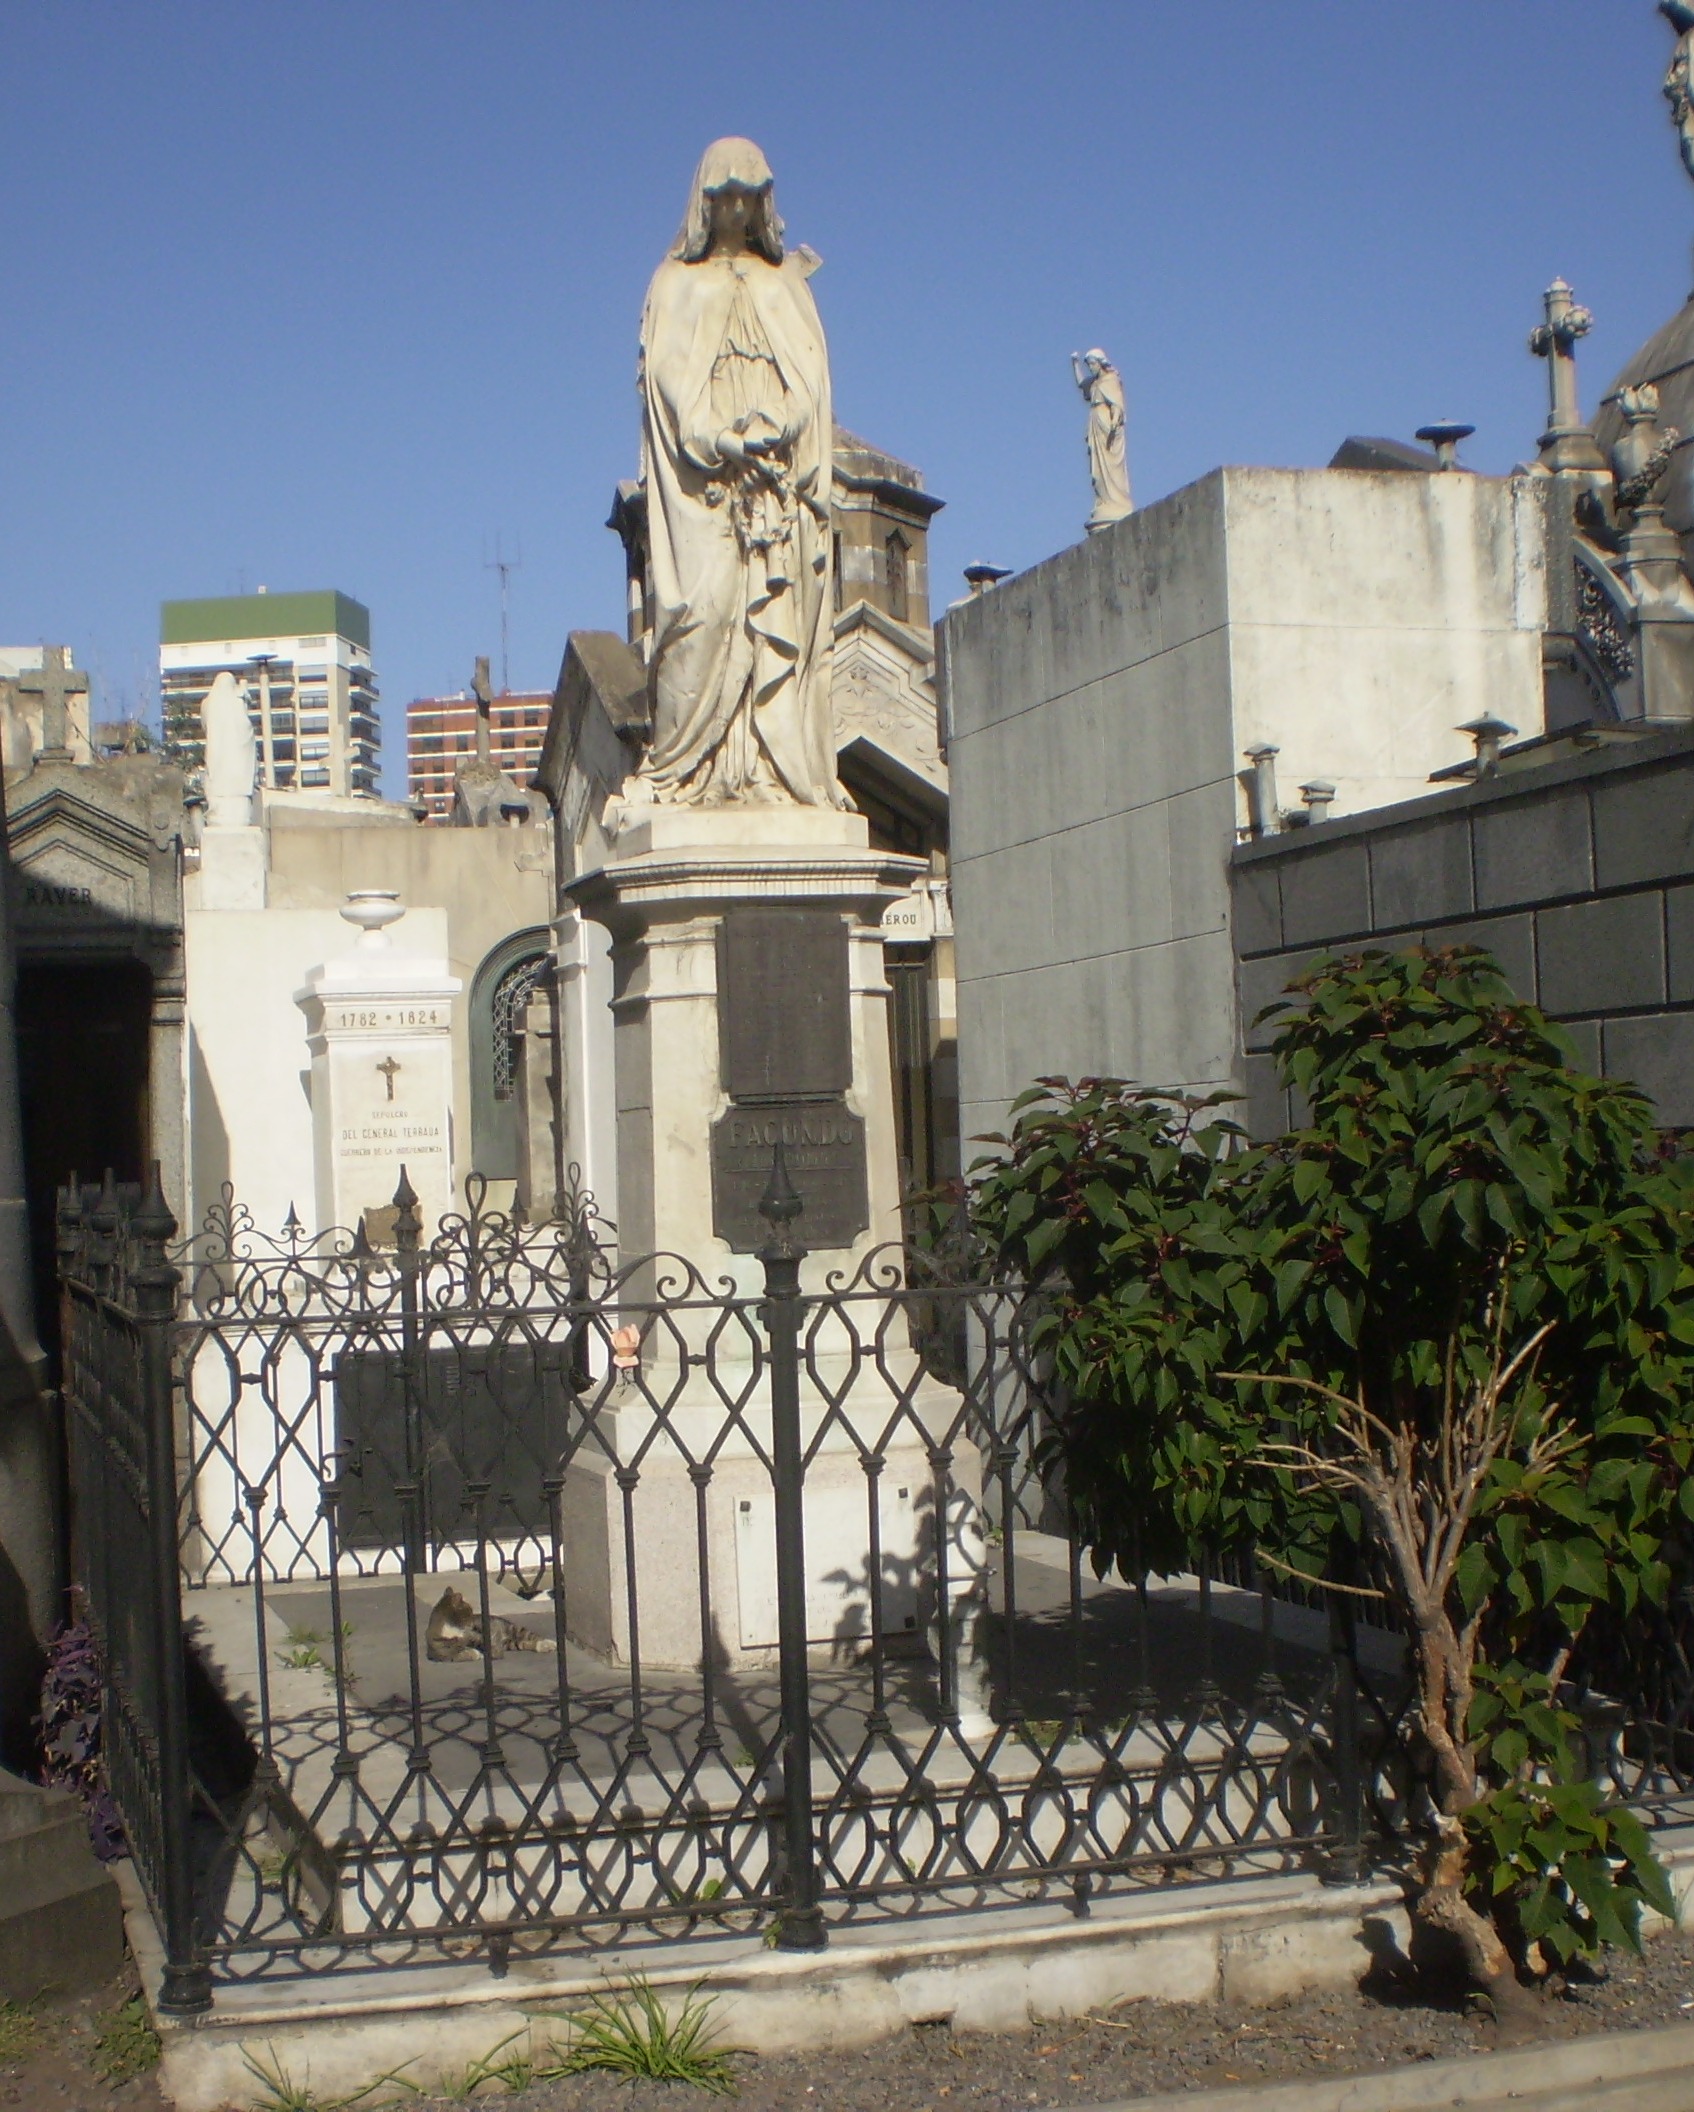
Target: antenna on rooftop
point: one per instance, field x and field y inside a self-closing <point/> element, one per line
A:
<point x="505" y="566"/>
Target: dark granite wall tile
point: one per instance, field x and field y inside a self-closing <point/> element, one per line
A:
<point x="1532" y="851"/>
<point x="1644" y="827"/>
<point x="1657" y="1052"/>
<point x="1256" y="901"/>
<point x="1421" y="873"/>
<point x="1326" y="895"/>
<point x="1511" y="940"/>
<point x="1585" y="1033"/>
<point x="1679" y="933"/>
<point x="1266" y="1111"/>
<point x="1605" y="956"/>
<point x="1260" y="983"/>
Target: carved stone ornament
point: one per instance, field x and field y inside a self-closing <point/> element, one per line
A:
<point x="1679" y="81"/>
<point x="1642" y="451"/>
<point x="1600" y="626"/>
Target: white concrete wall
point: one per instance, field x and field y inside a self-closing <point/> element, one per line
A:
<point x="490" y="883"/>
<point x="249" y="1071"/>
<point x="1372" y="613"/>
<point x="1092" y="777"/>
<point x="1100" y="706"/>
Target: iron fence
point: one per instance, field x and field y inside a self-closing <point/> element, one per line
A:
<point x="487" y="1593"/>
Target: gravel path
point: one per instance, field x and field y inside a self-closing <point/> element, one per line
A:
<point x="1137" y="2050"/>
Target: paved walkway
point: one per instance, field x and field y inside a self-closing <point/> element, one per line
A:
<point x="1630" y="2071"/>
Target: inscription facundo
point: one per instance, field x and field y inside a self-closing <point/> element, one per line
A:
<point x="824" y="1149"/>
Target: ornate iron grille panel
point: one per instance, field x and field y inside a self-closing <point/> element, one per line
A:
<point x="537" y="1598"/>
<point x="119" y="1294"/>
<point x="511" y="995"/>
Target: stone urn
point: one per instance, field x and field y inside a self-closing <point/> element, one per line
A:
<point x="373" y="909"/>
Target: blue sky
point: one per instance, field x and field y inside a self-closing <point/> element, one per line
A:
<point x="336" y="295"/>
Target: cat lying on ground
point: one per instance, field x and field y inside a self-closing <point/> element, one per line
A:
<point x="455" y="1631"/>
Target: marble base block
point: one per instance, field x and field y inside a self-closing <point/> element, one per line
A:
<point x="380" y="1031"/>
<point x="675" y="874"/>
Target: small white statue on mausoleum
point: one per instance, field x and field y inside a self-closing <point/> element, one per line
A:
<point x="1108" y="454"/>
<point x="232" y="755"/>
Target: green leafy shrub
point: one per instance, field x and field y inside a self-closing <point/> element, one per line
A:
<point x="1449" y="1322"/>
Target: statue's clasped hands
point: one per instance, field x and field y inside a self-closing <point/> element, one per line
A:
<point x="751" y="441"/>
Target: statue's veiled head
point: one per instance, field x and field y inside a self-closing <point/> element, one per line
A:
<point x="732" y="185"/>
<point x="1679" y="81"/>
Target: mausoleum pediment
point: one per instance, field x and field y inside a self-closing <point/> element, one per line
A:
<point x="63" y="811"/>
<point x="70" y="879"/>
<point x="92" y="853"/>
<point x="881" y="693"/>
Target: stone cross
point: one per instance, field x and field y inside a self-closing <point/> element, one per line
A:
<point x="1567" y="442"/>
<point x="55" y="682"/>
<point x="483" y="692"/>
<point x="390" y="1070"/>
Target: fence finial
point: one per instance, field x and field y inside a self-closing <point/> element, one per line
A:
<point x="781" y="1202"/>
<point x="781" y="1206"/>
<point x="408" y="1225"/>
<point x="153" y="1219"/>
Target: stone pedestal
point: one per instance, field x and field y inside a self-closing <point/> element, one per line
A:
<point x="675" y="874"/>
<point x="380" y="1031"/>
<point x="232" y="866"/>
<point x="698" y="1110"/>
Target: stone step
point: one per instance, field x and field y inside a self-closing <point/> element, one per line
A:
<point x="61" y="1920"/>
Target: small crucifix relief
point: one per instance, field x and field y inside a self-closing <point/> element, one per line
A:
<point x="389" y="1069"/>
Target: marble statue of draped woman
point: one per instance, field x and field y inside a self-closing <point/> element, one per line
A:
<point x="1108" y="455"/>
<point x="736" y="454"/>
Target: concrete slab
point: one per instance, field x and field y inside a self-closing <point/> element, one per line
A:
<point x="705" y="1812"/>
<point x="60" y="1924"/>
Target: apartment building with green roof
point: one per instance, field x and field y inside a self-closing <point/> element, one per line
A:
<point x="304" y="663"/>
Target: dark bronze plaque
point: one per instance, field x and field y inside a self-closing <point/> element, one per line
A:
<point x="783" y="1007"/>
<point x="493" y="1415"/>
<point x="824" y="1145"/>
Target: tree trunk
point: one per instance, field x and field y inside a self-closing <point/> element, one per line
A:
<point x="1442" y="1905"/>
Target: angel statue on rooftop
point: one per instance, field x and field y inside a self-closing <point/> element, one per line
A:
<point x="1108" y="456"/>
<point x="736" y="456"/>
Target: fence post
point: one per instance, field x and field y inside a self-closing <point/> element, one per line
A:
<point x="408" y="1230"/>
<point x="1346" y="1862"/>
<point x="802" y="1926"/>
<point x="185" y="1989"/>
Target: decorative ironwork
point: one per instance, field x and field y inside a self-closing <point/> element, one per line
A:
<point x="511" y="997"/>
<point x="1599" y="623"/>
<point x="800" y="1636"/>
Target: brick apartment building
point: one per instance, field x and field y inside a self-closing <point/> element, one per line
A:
<point x="441" y="733"/>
